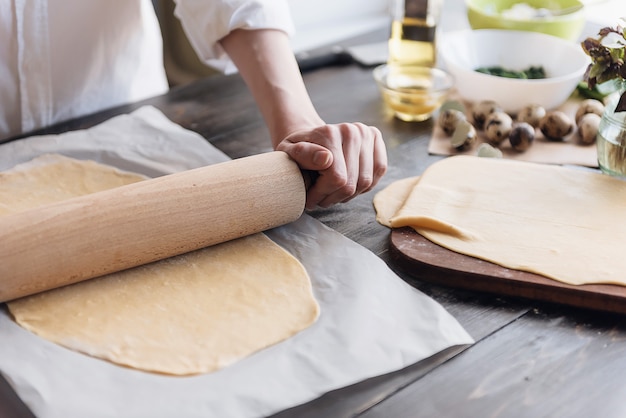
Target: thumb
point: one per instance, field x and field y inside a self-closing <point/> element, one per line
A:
<point x="307" y="155"/>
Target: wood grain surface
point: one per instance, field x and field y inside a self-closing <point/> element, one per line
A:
<point x="428" y="261"/>
<point x="531" y="358"/>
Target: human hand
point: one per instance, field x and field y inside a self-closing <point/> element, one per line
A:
<point x="350" y="158"/>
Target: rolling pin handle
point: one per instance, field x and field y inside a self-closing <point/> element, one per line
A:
<point x="310" y="177"/>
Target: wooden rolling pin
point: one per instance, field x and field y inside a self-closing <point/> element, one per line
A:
<point x="88" y="236"/>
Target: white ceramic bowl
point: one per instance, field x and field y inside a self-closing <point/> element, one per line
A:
<point x="464" y="51"/>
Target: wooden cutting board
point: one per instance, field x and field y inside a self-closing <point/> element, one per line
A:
<point x="430" y="262"/>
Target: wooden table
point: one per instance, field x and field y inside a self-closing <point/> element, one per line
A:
<point x="530" y="359"/>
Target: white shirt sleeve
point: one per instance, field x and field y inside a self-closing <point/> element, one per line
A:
<point x="205" y="22"/>
<point x="61" y="59"/>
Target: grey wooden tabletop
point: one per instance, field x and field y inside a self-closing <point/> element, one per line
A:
<point x="530" y="359"/>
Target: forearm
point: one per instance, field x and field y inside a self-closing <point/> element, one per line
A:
<point x="350" y="158"/>
<point x="266" y="63"/>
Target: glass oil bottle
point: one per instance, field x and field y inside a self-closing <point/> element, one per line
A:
<point x="413" y="39"/>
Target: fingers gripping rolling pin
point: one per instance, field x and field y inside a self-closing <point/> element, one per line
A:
<point x="89" y="236"/>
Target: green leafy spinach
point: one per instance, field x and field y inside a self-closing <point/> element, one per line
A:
<point x="532" y="72"/>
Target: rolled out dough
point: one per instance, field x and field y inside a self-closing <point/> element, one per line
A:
<point x="562" y="223"/>
<point x="189" y="314"/>
<point x="390" y="200"/>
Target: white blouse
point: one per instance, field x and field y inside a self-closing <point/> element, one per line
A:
<point x="61" y="59"/>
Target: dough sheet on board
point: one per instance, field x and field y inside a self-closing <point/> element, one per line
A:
<point x="194" y="313"/>
<point x="565" y="224"/>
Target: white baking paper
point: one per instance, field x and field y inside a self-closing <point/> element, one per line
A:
<point x="371" y="321"/>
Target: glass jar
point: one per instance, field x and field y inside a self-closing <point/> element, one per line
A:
<point x="611" y="140"/>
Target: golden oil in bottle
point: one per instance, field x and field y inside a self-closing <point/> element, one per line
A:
<point x="412" y="42"/>
<point x="413" y="39"/>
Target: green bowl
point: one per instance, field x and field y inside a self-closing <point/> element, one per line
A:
<point x="486" y="14"/>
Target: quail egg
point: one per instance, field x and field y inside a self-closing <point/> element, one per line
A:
<point x="522" y="136"/>
<point x="498" y="126"/>
<point x="482" y="110"/>
<point x="556" y="125"/>
<point x="449" y="119"/>
<point x="531" y="114"/>
<point x="464" y="135"/>
<point x="588" y="128"/>
<point x="589" y="106"/>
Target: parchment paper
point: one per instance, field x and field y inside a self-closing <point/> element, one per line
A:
<point x="371" y="321"/>
<point x="568" y="151"/>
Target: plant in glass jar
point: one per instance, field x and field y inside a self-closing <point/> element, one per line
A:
<point x="607" y="52"/>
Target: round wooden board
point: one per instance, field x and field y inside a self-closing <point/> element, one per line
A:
<point x="430" y="262"/>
